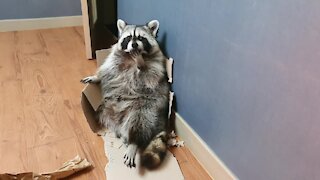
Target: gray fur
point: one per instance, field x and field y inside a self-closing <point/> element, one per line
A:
<point x="135" y="89"/>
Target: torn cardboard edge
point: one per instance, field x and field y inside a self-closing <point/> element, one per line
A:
<point x="68" y="168"/>
<point x="173" y="141"/>
<point x="91" y="99"/>
<point x="169" y="65"/>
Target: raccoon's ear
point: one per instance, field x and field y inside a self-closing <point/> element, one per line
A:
<point x="153" y="26"/>
<point x="121" y="25"/>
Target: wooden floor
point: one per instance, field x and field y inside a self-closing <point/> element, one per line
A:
<point x="41" y="121"/>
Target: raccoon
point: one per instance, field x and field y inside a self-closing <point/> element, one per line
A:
<point x="135" y="90"/>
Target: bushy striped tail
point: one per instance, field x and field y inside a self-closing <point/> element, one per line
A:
<point x="155" y="152"/>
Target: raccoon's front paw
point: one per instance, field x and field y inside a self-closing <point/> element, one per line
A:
<point x="130" y="155"/>
<point x="90" y="79"/>
<point x="137" y="57"/>
<point x="135" y="53"/>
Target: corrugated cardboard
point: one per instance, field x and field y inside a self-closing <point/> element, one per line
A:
<point x="67" y="169"/>
<point x="91" y="97"/>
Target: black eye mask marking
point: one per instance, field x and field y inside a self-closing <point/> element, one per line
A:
<point x="125" y="42"/>
<point x="145" y="42"/>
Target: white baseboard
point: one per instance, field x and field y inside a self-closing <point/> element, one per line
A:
<point x="207" y="158"/>
<point x="39" y="23"/>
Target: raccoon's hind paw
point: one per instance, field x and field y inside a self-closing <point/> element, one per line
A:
<point x="130" y="155"/>
<point x="90" y="79"/>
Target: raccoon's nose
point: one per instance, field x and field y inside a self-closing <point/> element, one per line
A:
<point x="134" y="45"/>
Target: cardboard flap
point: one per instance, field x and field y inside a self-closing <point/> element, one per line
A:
<point x="93" y="94"/>
<point x="102" y="55"/>
<point x="90" y="114"/>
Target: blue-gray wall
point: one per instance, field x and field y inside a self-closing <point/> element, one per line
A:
<point x="247" y="79"/>
<point x="20" y="9"/>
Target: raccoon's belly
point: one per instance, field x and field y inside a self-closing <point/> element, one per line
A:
<point x="125" y="93"/>
<point x="123" y="98"/>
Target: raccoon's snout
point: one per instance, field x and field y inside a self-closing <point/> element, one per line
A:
<point x="134" y="45"/>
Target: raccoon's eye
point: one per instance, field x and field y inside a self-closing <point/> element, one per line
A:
<point x="140" y="38"/>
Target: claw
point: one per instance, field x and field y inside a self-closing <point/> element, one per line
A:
<point x="86" y="80"/>
<point x="129" y="157"/>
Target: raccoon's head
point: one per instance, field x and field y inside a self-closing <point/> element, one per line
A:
<point x="141" y="39"/>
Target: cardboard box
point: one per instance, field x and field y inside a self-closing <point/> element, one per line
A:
<point x="91" y="97"/>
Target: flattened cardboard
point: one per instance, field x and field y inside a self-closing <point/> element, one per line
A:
<point x="115" y="169"/>
<point x="90" y="100"/>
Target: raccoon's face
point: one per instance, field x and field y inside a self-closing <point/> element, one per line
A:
<point x="141" y="39"/>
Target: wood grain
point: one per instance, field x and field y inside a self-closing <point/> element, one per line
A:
<point x="41" y="120"/>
